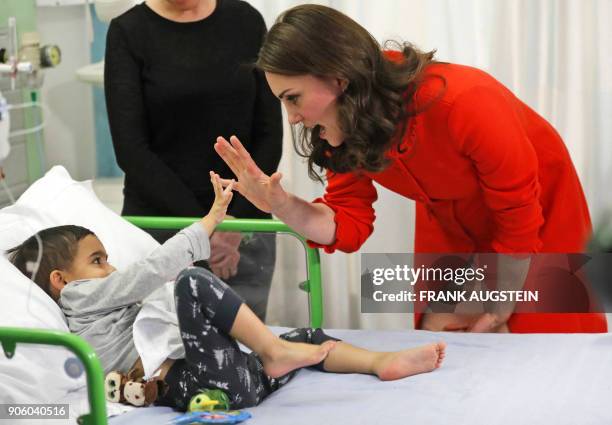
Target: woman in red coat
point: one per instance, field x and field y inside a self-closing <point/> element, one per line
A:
<point x="488" y="174"/>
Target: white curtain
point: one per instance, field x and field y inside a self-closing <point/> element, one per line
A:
<point x="554" y="55"/>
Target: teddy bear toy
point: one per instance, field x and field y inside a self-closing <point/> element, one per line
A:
<point x="126" y="389"/>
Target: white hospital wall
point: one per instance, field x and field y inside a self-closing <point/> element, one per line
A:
<point x="69" y="131"/>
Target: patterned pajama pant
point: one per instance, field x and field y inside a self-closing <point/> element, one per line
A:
<point x="206" y="309"/>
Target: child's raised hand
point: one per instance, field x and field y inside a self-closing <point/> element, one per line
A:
<point x="222" y="197"/>
<point x="219" y="207"/>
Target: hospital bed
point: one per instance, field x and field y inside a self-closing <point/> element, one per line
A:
<point x="10" y="337"/>
<point x="485" y="379"/>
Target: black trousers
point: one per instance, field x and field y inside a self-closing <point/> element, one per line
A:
<point x="206" y="309"/>
<point x="255" y="268"/>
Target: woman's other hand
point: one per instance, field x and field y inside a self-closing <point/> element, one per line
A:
<point x="445" y="322"/>
<point x="458" y="322"/>
<point x="491" y="323"/>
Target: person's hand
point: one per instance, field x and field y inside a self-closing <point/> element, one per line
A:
<point x="224" y="256"/>
<point x="457" y="322"/>
<point x="446" y="322"/>
<point x="219" y="207"/>
<point x="490" y="322"/>
<point x="265" y="192"/>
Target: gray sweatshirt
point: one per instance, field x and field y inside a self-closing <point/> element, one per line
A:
<point x="103" y="310"/>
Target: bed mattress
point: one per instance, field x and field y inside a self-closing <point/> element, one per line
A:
<point x="485" y="379"/>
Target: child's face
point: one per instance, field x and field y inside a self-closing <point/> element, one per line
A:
<point x="90" y="261"/>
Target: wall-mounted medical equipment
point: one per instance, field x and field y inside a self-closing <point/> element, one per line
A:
<point x="26" y="58"/>
<point x="22" y="61"/>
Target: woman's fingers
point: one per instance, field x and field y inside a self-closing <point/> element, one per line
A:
<point x="454" y="327"/>
<point x="227" y="182"/>
<point x="237" y="157"/>
<point x="244" y="157"/>
<point x="225" y="146"/>
<point x="485" y="323"/>
<point x="227" y="152"/>
<point x="276" y="178"/>
<point x="239" y="148"/>
<point x="233" y="152"/>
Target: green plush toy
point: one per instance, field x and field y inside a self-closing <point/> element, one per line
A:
<point x="209" y="400"/>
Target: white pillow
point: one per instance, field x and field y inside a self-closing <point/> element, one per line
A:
<point x="36" y="373"/>
<point x="55" y="200"/>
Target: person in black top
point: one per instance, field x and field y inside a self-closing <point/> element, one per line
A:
<point x="178" y="74"/>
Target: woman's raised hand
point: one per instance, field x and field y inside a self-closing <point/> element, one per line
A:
<point x="265" y="192"/>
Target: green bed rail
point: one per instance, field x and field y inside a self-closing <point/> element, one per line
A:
<point x="10" y="337"/>
<point x="312" y="285"/>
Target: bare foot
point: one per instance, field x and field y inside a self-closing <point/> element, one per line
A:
<point x="286" y="356"/>
<point x="412" y="361"/>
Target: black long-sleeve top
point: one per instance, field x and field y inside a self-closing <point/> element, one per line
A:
<point x="172" y="88"/>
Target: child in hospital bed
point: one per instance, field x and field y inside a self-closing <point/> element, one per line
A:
<point x="101" y="305"/>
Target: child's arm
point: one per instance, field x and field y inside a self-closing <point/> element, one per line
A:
<point x="120" y="289"/>
<point x="219" y="208"/>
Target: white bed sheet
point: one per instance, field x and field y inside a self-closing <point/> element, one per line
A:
<point x="485" y="379"/>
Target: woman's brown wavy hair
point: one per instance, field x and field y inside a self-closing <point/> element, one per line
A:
<point x="374" y="108"/>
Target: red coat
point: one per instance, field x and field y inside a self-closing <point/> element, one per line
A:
<point x="488" y="174"/>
